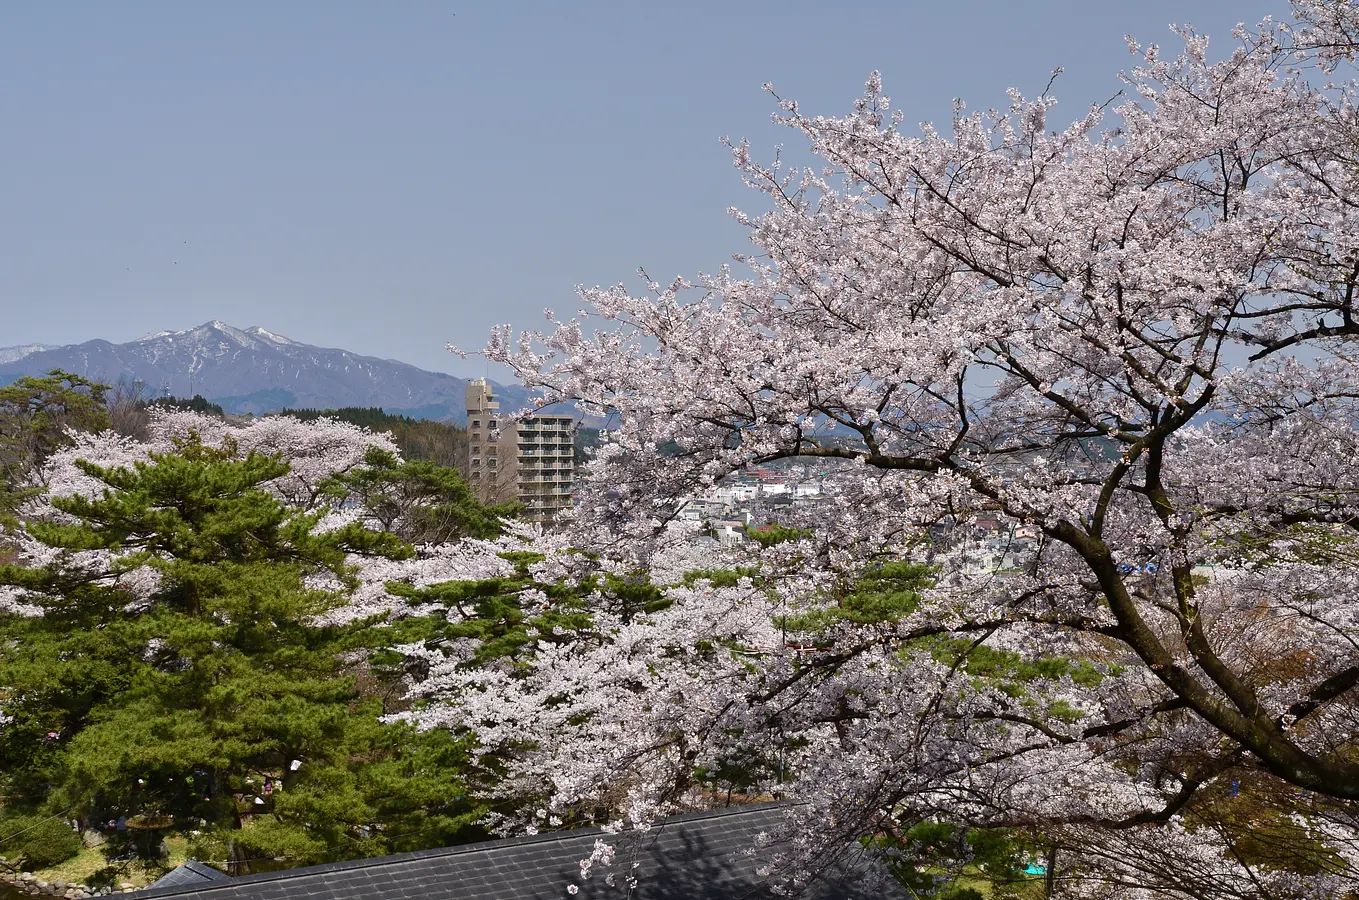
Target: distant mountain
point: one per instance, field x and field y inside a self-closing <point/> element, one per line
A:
<point x="11" y="354"/>
<point x="254" y="370"/>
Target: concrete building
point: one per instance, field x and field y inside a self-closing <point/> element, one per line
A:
<point x="531" y="461"/>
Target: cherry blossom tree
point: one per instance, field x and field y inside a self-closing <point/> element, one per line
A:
<point x="1134" y="336"/>
<point x="315" y="451"/>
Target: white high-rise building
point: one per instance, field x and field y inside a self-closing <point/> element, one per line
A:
<point x="531" y="461"/>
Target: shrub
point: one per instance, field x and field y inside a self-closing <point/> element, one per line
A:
<point x="43" y="842"/>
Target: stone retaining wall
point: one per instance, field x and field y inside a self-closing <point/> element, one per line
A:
<point x="27" y="881"/>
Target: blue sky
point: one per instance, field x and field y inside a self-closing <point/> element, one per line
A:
<point x="391" y="177"/>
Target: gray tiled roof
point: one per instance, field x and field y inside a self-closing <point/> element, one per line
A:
<point x="703" y="856"/>
<point x="192" y="872"/>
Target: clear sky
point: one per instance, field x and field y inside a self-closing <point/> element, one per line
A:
<point x="389" y="177"/>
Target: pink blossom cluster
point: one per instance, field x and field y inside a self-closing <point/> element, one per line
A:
<point x="1134" y="337"/>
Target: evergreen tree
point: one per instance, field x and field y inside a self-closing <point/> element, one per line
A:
<point x="421" y="501"/>
<point x="35" y="414"/>
<point x="181" y="675"/>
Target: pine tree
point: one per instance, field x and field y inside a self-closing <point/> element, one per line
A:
<point x="35" y="414"/>
<point x="419" y="500"/>
<point x="215" y="701"/>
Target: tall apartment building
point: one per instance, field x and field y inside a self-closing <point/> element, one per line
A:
<point x="532" y="460"/>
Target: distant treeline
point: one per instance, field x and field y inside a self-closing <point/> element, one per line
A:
<point x="365" y="416"/>
<point x="129" y="407"/>
<point x="439" y="442"/>
<point x="442" y="443"/>
<point x="197" y="403"/>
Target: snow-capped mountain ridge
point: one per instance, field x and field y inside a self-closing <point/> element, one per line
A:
<point x="257" y="370"/>
<point x="246" y="337"/>
<point x="11" y="354"/>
